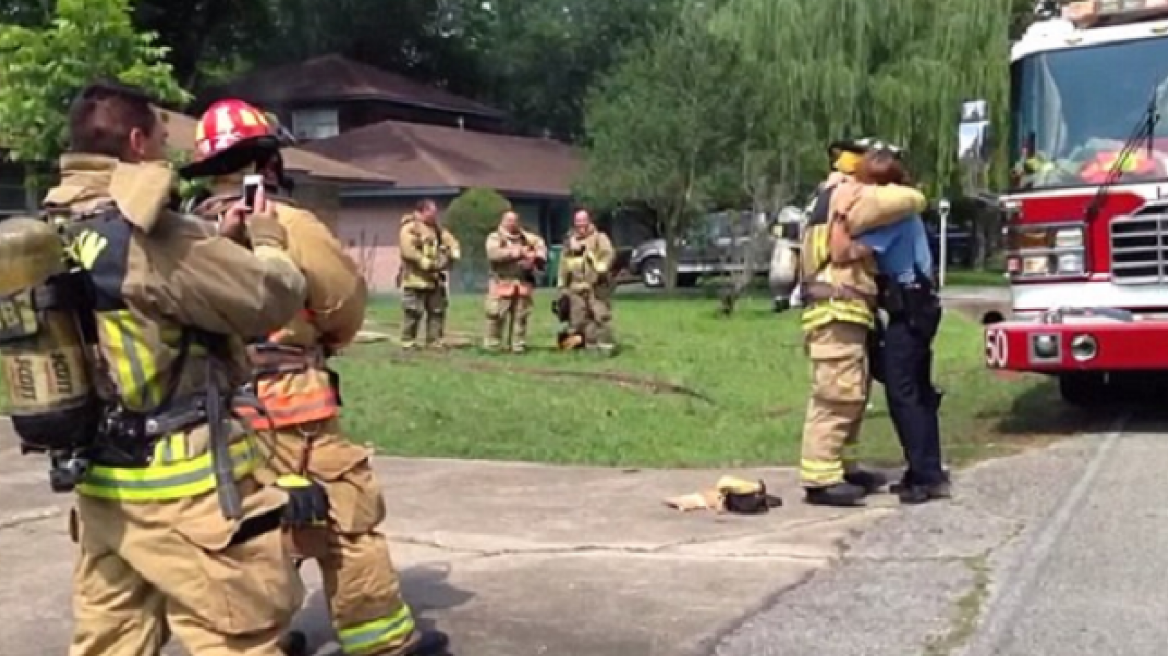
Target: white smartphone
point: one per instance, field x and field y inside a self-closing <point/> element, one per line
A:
<point x="251" y="184"/>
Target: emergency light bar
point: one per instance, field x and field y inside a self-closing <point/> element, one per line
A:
<point x="1098" y="13"/>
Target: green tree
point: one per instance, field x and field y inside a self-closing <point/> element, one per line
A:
<point x="663" y="129"/>
<point x="472" y="217"/>
<point x="42" y="68"/>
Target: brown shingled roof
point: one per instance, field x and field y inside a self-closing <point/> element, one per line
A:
<point x="182" y="137"/>
<point x="334" y="78"/>
<point x="416" y="155"/>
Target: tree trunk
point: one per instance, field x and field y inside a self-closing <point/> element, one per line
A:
<point x="32" y="200"/>
<point x="670" y="233"/>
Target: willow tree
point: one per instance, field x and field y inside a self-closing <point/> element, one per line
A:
<point x="898" y="70"/>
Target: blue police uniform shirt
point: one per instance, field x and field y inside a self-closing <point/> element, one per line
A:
<point x="901" y="249"/>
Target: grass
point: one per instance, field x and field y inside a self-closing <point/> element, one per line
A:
<point x="738" y="397"/>
<point x="688" y="389"/>
<point x="975" y="278"/>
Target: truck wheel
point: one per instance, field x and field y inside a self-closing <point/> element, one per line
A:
<point x="1084" y="389"/>
<point x="653" y="273"/>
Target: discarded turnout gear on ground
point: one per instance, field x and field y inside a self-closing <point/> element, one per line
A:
<point x="731" y="494"/>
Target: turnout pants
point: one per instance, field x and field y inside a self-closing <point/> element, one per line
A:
<point x="500" y="313"/>
<point x="360" y="582"/>
<point x="590" y="316"/>
<point x="147" y="570"/>
<point x="839" y="396"/>
<point x="913" y="402"/>
<point x="430" y="304"/>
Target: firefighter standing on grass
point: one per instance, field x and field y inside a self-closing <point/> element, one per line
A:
<point x="584" y="280"/>
<point x="427" y="253"/>
<point x="839" y="315"/>
<point x="515" y="256"/>
<point x="301" y="398"/>
<point x="172" y="526"/>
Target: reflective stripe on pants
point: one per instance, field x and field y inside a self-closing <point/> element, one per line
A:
<point x="371" y="636"/>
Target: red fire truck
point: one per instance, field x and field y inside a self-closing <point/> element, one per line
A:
<point x="1086" y="214"/>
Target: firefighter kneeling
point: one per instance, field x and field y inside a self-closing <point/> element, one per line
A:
<point x="325" y="475"/>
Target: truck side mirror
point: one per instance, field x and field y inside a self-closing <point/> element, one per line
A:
<point x="974" y="149"/>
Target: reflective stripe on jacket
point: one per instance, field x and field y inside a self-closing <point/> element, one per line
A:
<point x="293" y="386"/>
<point x="821" y="313"/>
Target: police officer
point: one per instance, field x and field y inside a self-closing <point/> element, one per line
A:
<point x="300" y="393"/>
<point x="165" y="535"/>
<point x="908" y="296"/>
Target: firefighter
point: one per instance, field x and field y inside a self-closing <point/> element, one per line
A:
<point x="428" y="251"/>
<point x="584" y="279"/>
<point x="839" y="315"/>
<point x="908" y="296"/>
<point x="172" y="526"/>
<point x="515" y="256"/>
<point x="301" y="397"/>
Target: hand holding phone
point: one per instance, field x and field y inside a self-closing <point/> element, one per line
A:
<point x="233" y="224"/>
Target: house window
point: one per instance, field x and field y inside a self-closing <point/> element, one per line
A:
<point x="308" y="124"/>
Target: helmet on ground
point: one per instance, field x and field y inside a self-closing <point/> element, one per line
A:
<point x="230" y="136"/>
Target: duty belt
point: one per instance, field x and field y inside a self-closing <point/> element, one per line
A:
<point x="816" y="292"/>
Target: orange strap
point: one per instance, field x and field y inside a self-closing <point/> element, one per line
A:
<point x="271" y="363"/>
<point x="507" y="289"/>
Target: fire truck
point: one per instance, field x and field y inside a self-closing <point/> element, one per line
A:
<point x="1086" y="212"/>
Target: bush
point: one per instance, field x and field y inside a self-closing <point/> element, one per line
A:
<point x="472" y="217"/>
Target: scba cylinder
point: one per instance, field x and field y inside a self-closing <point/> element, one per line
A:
<point x="50" y="393"/>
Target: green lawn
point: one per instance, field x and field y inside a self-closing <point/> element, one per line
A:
<point x="738" y="389"/>
<point x="972" y="278"/>
<point x="688" y="389"/>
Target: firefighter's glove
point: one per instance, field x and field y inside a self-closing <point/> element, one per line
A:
<point x="307" y="502"/>
<point x="265" y="230"/>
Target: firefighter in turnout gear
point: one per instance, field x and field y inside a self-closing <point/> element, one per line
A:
<point x="515" y="256"/>
<point x="337" y="505"/>
<point x="428" y="251"/>
<point x="172" y="527"/>
<point x="584" y="278"/>
<point x="839" y="315"/>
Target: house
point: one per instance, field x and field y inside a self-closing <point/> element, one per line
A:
<point x="330" y="95"/>
<point x="428" y="141"/>
<point x="319" y="180"/>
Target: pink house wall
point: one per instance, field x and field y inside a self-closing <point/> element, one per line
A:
<point x="370" y="234"/>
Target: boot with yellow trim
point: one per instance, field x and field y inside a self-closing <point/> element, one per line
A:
<point x="840" y="495"/>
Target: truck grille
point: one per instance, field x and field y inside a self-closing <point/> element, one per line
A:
<point x="1139" y="248"/>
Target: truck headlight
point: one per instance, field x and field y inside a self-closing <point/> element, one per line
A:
<point x="1037" y="250"/>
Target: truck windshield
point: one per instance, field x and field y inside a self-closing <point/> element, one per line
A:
<point x="1071" y="111"/>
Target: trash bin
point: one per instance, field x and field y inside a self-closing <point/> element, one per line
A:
<point x="553" y="266"/>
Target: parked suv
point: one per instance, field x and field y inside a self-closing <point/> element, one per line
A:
<point x="712" y="246"/>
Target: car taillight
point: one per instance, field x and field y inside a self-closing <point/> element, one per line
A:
<point x="1045" y="250"/>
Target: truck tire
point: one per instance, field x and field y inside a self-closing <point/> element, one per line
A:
<point x="1085" y="389"/>
<point x="653" y="272"/>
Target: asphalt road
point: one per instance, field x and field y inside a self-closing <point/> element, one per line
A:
<point x="1060" y="551"/>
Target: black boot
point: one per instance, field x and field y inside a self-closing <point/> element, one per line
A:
<point x="430" y="643"/>
<point x="840" y="495"/>
<point x="916" y="493"/>
<point x="869" y="480"/>
<point x="294" y="643"/>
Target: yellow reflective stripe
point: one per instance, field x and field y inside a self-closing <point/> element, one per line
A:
<point x="166" y="482"/>
<point x="171" y="449"/>
<point x="132" y="362"/>
<point x="823" y="313"/>
<point x="379" y="633"/>
<point x="820" y="241"/>
<point x="825" y="472"/>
